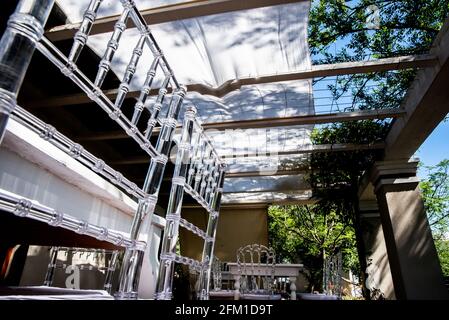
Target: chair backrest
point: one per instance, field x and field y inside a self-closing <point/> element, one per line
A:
<point x="256" y="266"/>
<point x="24" y="33"/>
<point x="199" y="172"/>
<point x="216" y="270"/>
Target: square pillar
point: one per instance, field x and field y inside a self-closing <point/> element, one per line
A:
<point x="379" y="280"/>
<point x="414" y="262"/>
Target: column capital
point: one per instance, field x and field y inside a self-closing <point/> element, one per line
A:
<point x="399" y="173"/>
<point x="368" y="209"/>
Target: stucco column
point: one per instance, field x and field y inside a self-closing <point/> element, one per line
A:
<point x="414" y="263"/>
<point x="378" y="267"/>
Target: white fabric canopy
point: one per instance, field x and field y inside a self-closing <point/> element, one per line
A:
<point x="213" y="49"/>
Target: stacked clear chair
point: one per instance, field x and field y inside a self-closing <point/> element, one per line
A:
<point x="199" y="172"/>
<point x="109" y="256"/>
<point x="24" y="34"/>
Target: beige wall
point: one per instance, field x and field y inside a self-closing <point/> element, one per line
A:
<point x="236" y="227"/>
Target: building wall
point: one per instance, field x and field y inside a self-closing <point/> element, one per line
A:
<point x="237" y="227"/>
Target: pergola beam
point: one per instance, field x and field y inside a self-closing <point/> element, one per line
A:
<point x="273" y="190"/>
<point x="328" y="70"/>
<point x="272" y="122"/>
<point x="321" y="148"/>
<point x="426" y="104"/>
<point x="245" y="174"/>
<point x="261" y="203"/>
<point x="306" y="119"/>
<point x="168" y="13"/>
<point x="287" y="197"/>
<point x="317" y="71"/>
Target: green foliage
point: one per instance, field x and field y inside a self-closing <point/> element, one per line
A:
<point x="334" y="170"/>
<point x="308" y="233"/>
<point x="405" y="26"/>
<point x="442" y="247"/>
<point x="282" y="238"/>
<point x="338" y="31"/>
<point x="435" y="192"/>
<point x="362" y="132"/>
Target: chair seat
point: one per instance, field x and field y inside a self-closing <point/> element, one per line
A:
<point x="260" y="296"/>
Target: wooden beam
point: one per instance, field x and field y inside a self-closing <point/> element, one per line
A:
<point x="167" y="13"/>
<point x="329" y="70"/>
<point x="244" y="206"/>
<point x="306" y="119"/>
<point x="272" y="122"/>
<point x="321" y="148"/>
<point x="274" y="190"/>
<point x="110" y="135"/>
<point x="230" y="206"/>
<point x="264" y="203"/>
<point x="317" y="71"/>
<point x="240" y="174"/>
<point x="244" y="174"/>
<point x="426" y="103"/>
<point x="290" y="197"/>
<point x="130" y="161"/>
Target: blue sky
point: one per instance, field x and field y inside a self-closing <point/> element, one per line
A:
<point x="435" y="148"/>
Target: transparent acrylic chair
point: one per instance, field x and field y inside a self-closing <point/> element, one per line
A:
<point x="199" y="172"/>
<point x="24" y="34"/>
<point x="256" y="267"/>
<point x="216" y="291"/>
<point x="103" y="260"/>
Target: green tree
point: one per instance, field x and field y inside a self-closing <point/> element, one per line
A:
<point x="404" y="26"/>
<point x="442" y="247"/>
<point x="435" y="191"/>
<point x="309" y="233"/>
<point x="341" y="31"/>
